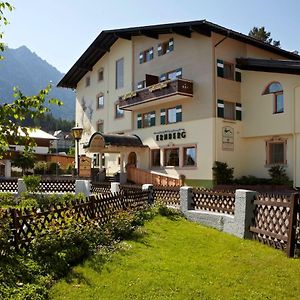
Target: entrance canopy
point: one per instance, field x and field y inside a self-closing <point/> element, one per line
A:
<point x="112" y="143"/>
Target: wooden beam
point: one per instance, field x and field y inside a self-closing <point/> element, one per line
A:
<point x="149" y="33"/>
<point x="184" y="31"/>
<point x="201" y="30"/>
<point x="125" y="36"/>
<point x="85" y="68"/>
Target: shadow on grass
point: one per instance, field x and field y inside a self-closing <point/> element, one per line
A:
<point x="76" y="278"/>
<point x="170" y="213"/>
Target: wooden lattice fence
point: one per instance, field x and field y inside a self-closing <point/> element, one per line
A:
<point x="101" y="188"/>
<point x="275" y="219"/>
<point x="26" y="224"/>
<point x="8" y="185"/>
<point x="168" y="195"/>
<point x="221" y="202"/>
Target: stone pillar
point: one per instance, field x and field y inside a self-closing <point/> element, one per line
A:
<point x="83" y="186"/>
<point x="149" y="188"/>
<point x="243" y="212"/>
<point x="21" y="186"/>
<point x="7" y="169"/>
<point x="186" y="198"/>
<point x="115" y="187"/>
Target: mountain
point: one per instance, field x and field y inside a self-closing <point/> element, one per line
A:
<point x="30" y="73"/>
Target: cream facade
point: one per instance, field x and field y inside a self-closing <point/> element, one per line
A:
<point x="228" y="112"/>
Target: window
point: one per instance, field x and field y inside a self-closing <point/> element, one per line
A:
<point x="100" y="100"/>
<point x="189" y="156"/>
<point x="165" y="47"/>
<point x="228" y="70"/>
<point x="141" y="84"/>
<point x="171" y="115"/>
<point x="229" y="110"/>
<point x="171" y="157"/>
<point x="87" y="81"/>
<point x="146" y="55"/>
<point x="171" y="75"/>
<point x="276" y="152"/>
<point x="120" y="73"/>
<point x="155" y="158"/>
<point x="149" y="119"/>
<point x="100" y="126"/>
<point x="119" y="113"/>
<point x="96" y="160"/>
<point x="276" y="89"/>
<point x="100" y="74"/>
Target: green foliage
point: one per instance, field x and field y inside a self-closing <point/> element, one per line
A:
<point x="251" y="180"/>
<point x="40" y="168"/>
<point x="222" y="173"/>
<point x="278" y="175"/>
<point x="261" y="34"/>
<point x="71" y="151"/>
<point x="24" y="160"/>
<point x="7" y="199"/>
<point x="32" y="182"/>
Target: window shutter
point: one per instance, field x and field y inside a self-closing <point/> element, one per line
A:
<point x="151" y="53"/>
<point x="238" y="75"/>
<point x="178" y="113"/>
<point x="163" y="77"/>
<point x="141" y="57"/>
<point x="139" y="120"/>
<point x="171" y="45"/>
<point x="238" y="111"/>
<point x="159" y="49"/>
<point x="162" y="116"/>
<point x="220" y="68"/>
<point x="152" y="118"/>
<point x="220" y="108"/>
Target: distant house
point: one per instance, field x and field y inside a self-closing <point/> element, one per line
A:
<point x="63" y="142"/>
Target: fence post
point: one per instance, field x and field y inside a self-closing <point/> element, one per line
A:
<point x="83" y="186"/>
<point x="243" y="212"/>
<point x="115" y="187"/>
<point x="21" y="186"/>
<point x="290" y="247"/>
<point x="149" y="188"/>
<point x="186" y="198"/>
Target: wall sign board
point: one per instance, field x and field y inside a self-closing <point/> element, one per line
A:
<point x="228" y="138"/>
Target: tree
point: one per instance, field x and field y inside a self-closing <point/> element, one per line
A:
<point x="261" y="34"/>
<point x="13" y="114"/>
<point x="24" y="161"/>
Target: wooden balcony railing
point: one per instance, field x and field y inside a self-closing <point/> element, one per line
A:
<point x="165" y="89"/>
<point x="140" y="176"/>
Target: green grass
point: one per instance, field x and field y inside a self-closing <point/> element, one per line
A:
<point x="177" y="259"/>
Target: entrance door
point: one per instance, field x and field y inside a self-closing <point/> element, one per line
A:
<point x="132" y="159"/>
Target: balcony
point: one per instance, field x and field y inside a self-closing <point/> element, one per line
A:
<point x="158" y="93"/>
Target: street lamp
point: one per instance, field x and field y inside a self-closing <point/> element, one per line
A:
<point x="77" y="134"/>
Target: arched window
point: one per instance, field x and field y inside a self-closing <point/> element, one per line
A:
<point x="276" y="89"/>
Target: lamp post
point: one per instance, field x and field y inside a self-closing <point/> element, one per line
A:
<point x="77" y="134"/>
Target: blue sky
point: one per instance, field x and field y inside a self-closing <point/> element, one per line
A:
<point x="59" y="31"/>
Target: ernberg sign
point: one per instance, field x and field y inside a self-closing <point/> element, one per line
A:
<point x="175" y="134"/>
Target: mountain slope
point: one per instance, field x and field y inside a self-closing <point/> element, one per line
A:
<point x="30" y="73"/>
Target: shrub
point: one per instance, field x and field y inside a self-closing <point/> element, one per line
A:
<point x="40" y="167"/>
<point x="222" y="173"/>
<point x="32" y="182"/>
<point x="251" y="180"/>
<point x="278" y="175"/>
<point x="7" y="199"/>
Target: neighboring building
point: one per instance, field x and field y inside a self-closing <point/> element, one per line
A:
<point x="193" y="93"/>
<point x="64" y="141"/>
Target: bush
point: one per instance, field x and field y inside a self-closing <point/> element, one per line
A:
<point x="278" y="175"/>
<point x="32" y="183"/>
<point x="222" y="173"/>
<point x="251" y="180"/>
<point x="40" y="168"/>
<point x="7" y="199"/>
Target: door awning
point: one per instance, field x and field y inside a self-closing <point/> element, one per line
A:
<point x="100" y="142"/>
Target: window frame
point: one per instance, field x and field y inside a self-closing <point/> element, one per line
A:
<point x="100" y="71"/>
<point x="100" y="123"/>
<point x="87" y="81"/>
<point x="146" y="55"/>
<point x="119" y="113"/>
<point x="275" y="93"/>
<point x="165" y="47"/>
<point x="185" y="155"/>
<point x="119" y="82"/>
<point x="232" y="70"/>
<point x="269" y="159"/>
<point x="97" y="101"/>
<point x="165" y="156"/>
<point x="152" y="158"/>
<point x="232" y="108"/>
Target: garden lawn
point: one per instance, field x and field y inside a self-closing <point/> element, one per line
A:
<point x="177" y="259"/>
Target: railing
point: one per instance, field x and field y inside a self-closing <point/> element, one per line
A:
<point x="157" y="91"/>
<point x="101" y="188"/>
<point x="140" y="176"/>
<point x="221" y="202"/>
<point x="275" y="221"/>
<point x="168" y="195"/>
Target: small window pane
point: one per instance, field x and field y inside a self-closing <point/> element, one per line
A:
<point x="190" y="156"/>
<point x="228" y="71"/>
<point x="155" y="157"/>
<point x="100" y="75"/>
<point x="276" y="153"/>
<point x="100" y="101"/>
<point x="120" y="73"/>
<point x="119" y="112"/>
<point x="229" y="110"/>
<point x="172" y="115"/>
<point x="279" y="105"/>
<point x="147" y="120"/>
<point x="172" y="157"/>
<point x="274" y="87"/>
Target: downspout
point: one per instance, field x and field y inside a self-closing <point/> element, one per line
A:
<point x="215" y="153"/>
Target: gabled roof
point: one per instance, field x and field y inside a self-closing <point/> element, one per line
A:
<point x="269" y="65"/>
<point x="107" y="38"/>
